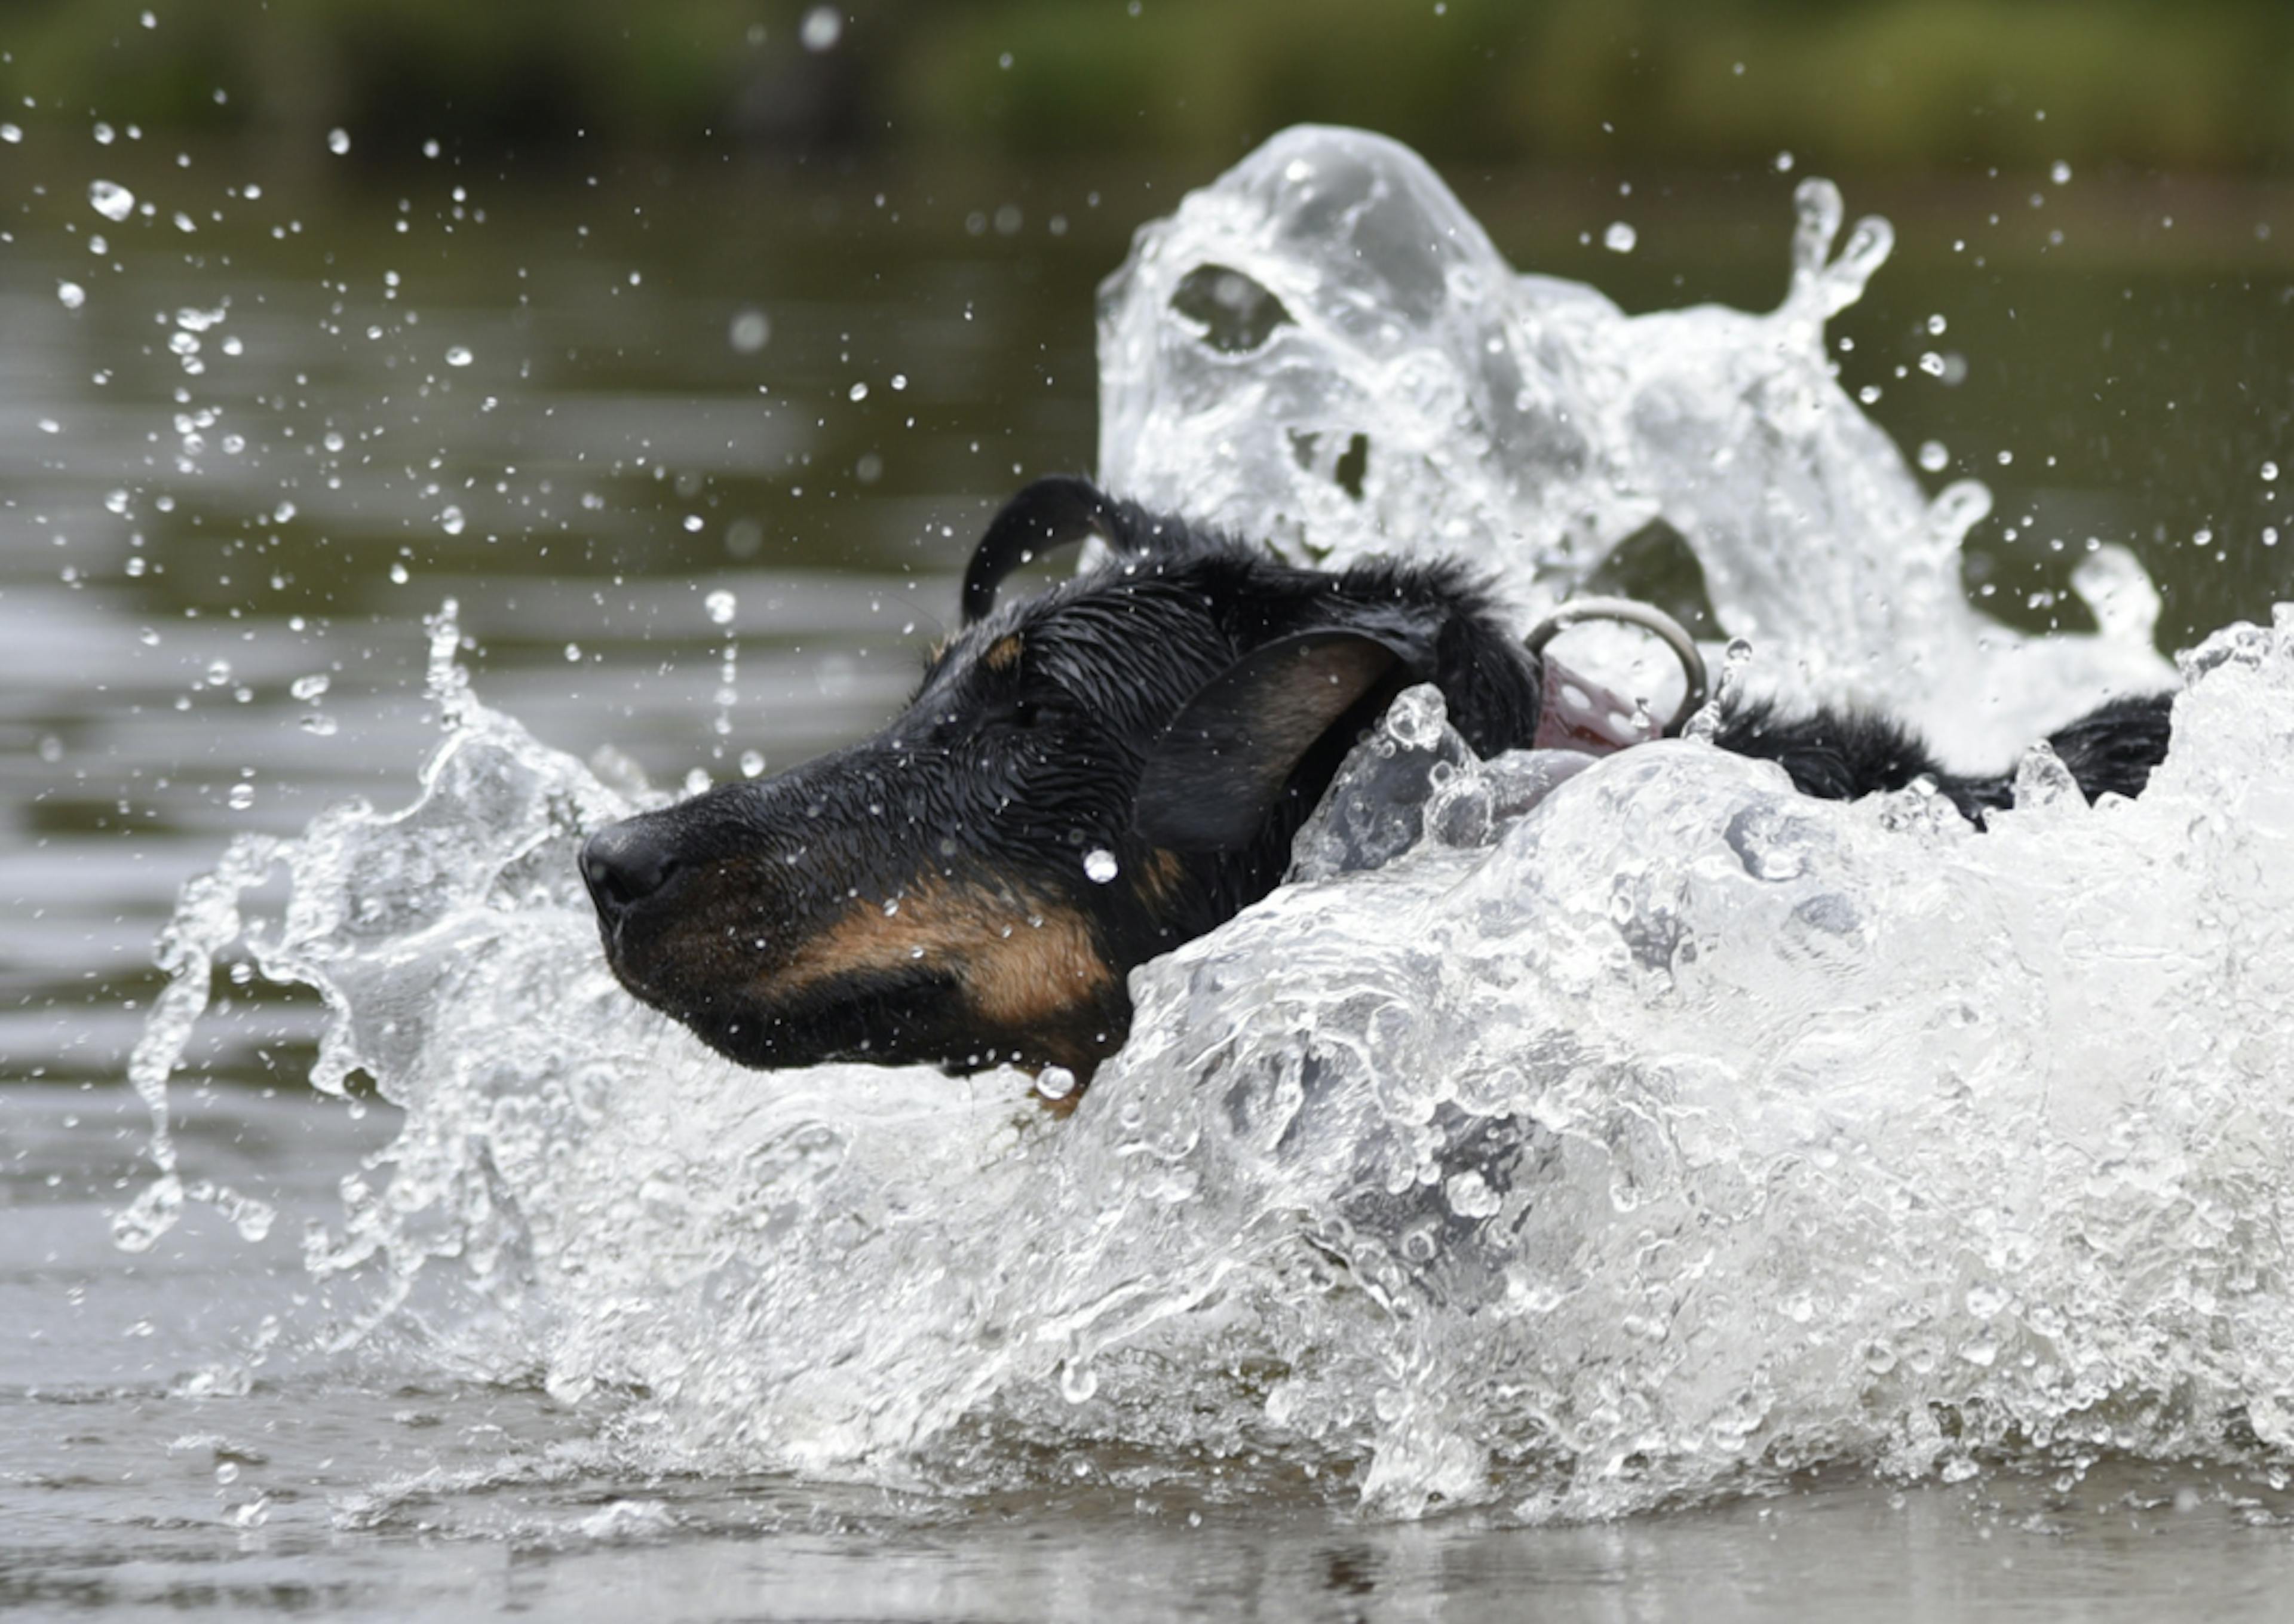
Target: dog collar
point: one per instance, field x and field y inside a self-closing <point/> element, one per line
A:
<point x="1582" y="714"/>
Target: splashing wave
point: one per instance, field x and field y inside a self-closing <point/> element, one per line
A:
<point x="1564" y="1143"/>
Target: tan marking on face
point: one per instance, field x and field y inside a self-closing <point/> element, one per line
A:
<point x="1004" y="654"/>
<point x="1161" y="874"/>
<point x="1019" y="975"/>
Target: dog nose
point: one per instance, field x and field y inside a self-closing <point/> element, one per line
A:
<point x="623" y="863"/>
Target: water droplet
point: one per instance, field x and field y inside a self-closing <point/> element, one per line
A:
<point x="721" y="606"/>
<point x="1705" y="727"/>
<point x="398" y="574"/>
<point x="339" y="141"/>
<point x="1418" y="717"/>
<point x="750" y="331"/>
<point x="2269" y="471"/>
<point x="753" y="763"/>
<point x="899" y="381"/>
<point x="573" y="654"/>
<point x="241" y="797"/>
<point x="112" y="200"/>
<point x="309" y="687"/>
<point x="10" y="134"/>
<point x="1932" y="365"/>
<point x="71" y="295"/>
<point x="692" y="523"/>
<point x="1934" y="457"/>
<point x="858" y="392"/>
<point x="822" y="27"/>
<point x="1056" y="1082"/>
<point x="450" y="521"/>
<point x="1099" y="865"/>
<point x="459" y="356"/>
<point x="1078" y="1381"/>
<point x="1936" y="325"/>
<point x="2060" y="173"/>
<point x="1471" y="1196"/>
<point x="1620" y="237"/>
<point x="227" y="1472"/>
<point x="1784" y="162"/>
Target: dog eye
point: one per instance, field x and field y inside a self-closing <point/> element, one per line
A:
<point x="1022" y="715"/>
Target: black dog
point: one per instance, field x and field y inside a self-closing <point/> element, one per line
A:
<point x="1085" y="780"/>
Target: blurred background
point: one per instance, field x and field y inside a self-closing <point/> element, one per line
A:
<point x="1921" y="85"/>
<point x="686" y="344"/>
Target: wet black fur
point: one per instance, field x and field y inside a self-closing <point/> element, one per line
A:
<point x="1841" y="755"/>
<point x="1075" y="721"/>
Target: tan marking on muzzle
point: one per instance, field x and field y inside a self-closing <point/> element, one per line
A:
<point x="1021" y="964"/>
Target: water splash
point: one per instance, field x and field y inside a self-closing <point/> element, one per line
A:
<point x="722" y="607"/>
<point x="1569" y="1145"/>
<point x="1564" y="1138"/>
<point x="206" y="918"/>
<point x="1412" y="394"/>
<point x="1822" y="287"/>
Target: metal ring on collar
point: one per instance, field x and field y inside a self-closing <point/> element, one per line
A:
<point x="1649" y="619"/>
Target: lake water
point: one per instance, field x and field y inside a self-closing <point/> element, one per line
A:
<point x="267" y="425"/>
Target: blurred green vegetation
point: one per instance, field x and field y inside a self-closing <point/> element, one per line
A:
<point x="2182" y="83"/>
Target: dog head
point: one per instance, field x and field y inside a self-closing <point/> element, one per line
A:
<point x="1082" y="781"/>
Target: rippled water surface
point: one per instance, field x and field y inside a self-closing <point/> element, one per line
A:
<point x="261" y="431"/>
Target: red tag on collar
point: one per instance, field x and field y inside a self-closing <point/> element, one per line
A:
<point x="1586" y="717"/>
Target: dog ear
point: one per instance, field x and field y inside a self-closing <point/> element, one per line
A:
<point x="1229" y="755"/>
<point x="1050" y="513"/>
